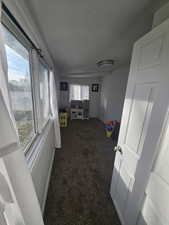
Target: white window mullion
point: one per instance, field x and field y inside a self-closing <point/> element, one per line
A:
<point x="35" y="74"/>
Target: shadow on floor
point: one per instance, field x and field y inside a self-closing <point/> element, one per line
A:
<point x="81" y="175"/>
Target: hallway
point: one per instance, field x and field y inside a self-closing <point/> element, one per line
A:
<point x="79" y="187"/>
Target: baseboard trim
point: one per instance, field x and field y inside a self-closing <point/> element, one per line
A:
<point x="117" y="210"/>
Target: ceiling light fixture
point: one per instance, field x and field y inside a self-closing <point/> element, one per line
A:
<point x="105" y="63"/>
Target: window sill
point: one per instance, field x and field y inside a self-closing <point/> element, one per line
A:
<point x="35" y="149"/>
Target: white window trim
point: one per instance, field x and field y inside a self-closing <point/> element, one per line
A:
<point x="41" y="60"/>
<point x="30" y="147"/>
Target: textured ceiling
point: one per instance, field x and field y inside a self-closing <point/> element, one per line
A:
<point x="78" y="33"/>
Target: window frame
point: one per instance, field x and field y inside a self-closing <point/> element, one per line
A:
<point x="79" y="85"/>
<point x="42" y="61"/>
<point x="10" y="25"/>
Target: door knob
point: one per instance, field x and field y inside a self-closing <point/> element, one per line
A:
<point x="118" y="149"/>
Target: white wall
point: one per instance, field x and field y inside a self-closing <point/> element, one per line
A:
<point x="94" y="96"/>
<point x="40" y="164"/>
<point x="113" y="94"/>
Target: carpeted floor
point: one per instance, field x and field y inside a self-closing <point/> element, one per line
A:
<point x="81" y="175"/>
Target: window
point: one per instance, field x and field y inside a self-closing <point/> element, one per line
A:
<point x="44" y="93"/>
<point x="79" y="92"/>
<point x="28" y="88"/>
<point x="20" y="89"/>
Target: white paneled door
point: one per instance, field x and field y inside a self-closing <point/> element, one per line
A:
<point x="145" y="110"/>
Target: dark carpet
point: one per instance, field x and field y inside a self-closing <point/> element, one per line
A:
<point x="79" y="187"/>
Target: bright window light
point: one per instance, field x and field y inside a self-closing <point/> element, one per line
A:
<point x="79" y="92"/>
